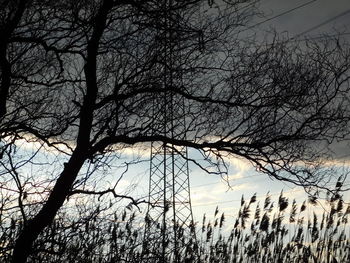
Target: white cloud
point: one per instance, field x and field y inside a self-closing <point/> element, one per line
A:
<point x="30" y="143"/>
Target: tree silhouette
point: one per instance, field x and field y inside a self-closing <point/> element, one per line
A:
<point x="83" y="74"/>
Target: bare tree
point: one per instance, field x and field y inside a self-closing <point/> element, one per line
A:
<point x="84" y="74"/>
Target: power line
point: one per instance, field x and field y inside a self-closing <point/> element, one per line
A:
<point x="232" y="180"/>
<point x="294" y="39"/>
<point x="325" y="37"/>
<point x="238" y="200"/>
<point x="279" y="15"/>
<point x="322" y="23"/>
<point x="259" y="196"/>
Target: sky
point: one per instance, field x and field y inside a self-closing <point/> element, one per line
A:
<point x="209" y="191"/>
<point x="313" y="18"/>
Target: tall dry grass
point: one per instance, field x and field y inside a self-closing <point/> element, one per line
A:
<point x="267" y="231"/>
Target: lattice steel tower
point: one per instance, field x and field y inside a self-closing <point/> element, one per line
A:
<point x="169" y="216"/>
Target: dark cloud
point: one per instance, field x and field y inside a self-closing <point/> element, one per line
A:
<point x="303" y="19"/>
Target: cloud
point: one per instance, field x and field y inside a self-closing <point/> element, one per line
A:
<point x="135" y="152"/>
<point x="30" y="143"/>
<point x="238" y="163"/>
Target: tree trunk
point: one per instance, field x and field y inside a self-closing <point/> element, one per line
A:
<point x="35" y="226"/>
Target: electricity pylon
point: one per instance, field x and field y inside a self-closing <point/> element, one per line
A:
<point x="169" y="215"/>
